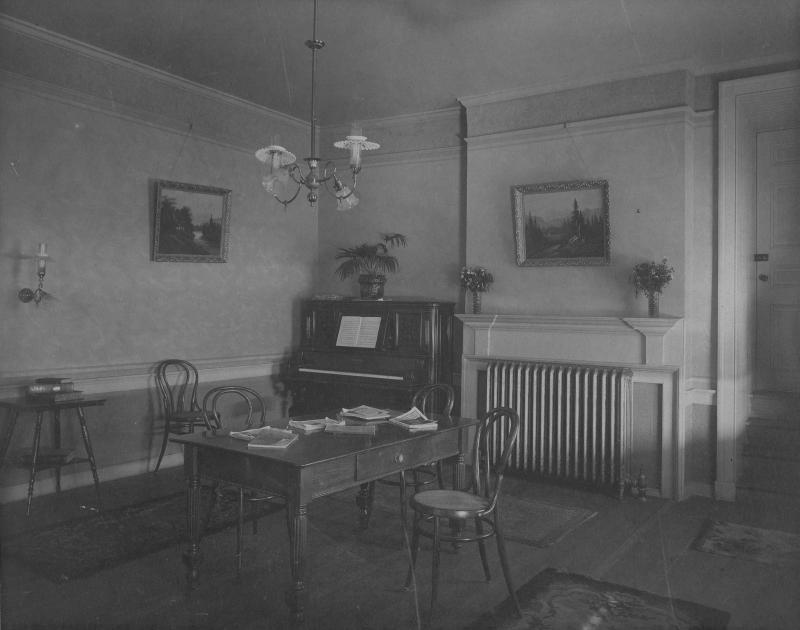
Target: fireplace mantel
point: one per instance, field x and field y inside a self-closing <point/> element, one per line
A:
<point x="630" y="341"/>
<point x="653" y="347"/>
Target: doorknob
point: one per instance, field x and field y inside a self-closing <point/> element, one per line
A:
<point x="763" y="277"/>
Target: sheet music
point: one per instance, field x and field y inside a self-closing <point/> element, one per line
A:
<point x="358" y="332"/>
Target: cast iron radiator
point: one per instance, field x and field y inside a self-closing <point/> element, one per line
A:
<point x="574" y="420"/>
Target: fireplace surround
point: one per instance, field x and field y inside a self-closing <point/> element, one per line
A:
<point x="652" y="347"/>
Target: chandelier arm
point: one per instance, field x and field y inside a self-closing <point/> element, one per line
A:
<point x="334" y="193"/>
<point x="291" y="199"/>
<point x="296" y="175"/>
<point x="325" y="175"/>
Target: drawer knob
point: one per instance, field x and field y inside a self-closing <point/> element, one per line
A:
<point x="399" y="459"/>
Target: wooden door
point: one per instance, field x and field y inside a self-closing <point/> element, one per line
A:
<point x="778" y="262"/>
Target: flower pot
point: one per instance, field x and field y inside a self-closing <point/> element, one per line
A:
<point x="371" y="286"/>
<point x="652" y="305"/>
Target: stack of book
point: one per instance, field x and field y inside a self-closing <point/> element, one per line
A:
<point x="53" y="390"/>
<point x="367" y="413"/>
<point x="414" y="420"/>
<point x="313" y="426"/>
<point x="266" y="437"/>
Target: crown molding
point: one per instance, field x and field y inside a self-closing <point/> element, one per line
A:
<point x="450" y="114"/>
<point x="75" y="98"/>
<point x="103" y="56"/>
<point x="656" y="118"/>
<point x="693" y="69"/>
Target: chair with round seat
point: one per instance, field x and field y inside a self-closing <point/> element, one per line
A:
<point x="431" y="398"/>
<point x="236" y="420"/>
<point x="477" y="510"/>
<point x="177" y="382"/>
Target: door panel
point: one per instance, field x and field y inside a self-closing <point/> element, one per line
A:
<point x="778" y="277"/>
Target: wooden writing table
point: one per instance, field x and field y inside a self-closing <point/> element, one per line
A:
<point x="26" y="405"/>
<point x="314" y="466"/>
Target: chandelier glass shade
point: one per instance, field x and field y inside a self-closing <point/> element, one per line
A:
<point x="281" y="165"/>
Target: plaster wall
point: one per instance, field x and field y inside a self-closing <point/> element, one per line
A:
<point x="643" y="157"/>
<point x="415" y="187"/>
<point x="80" y="160"/>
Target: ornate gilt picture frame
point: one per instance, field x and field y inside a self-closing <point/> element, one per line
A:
<point x="191" y="223"/>
<point x="561" y="223"/>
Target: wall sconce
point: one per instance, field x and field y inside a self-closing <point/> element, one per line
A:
<point x="28" y="295"/>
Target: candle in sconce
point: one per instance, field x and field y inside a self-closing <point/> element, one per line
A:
<point x="41" y="262"/>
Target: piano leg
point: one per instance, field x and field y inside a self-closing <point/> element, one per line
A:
<point x="364" y="499"/>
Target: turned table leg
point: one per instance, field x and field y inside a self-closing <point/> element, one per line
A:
<point x="297" y="596"/>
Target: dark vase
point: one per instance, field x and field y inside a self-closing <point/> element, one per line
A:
<point x="371" y="286"/>
<point x="652" y="305"/>
<point x="476" y="302"/>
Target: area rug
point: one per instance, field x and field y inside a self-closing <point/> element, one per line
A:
<point x="82" y="547"/>
<point x="527" y="521"/>
<point x="556" y="601"/>
<point x="768" y="546"/>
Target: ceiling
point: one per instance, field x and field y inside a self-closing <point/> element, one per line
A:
<point x="391" y="57"/>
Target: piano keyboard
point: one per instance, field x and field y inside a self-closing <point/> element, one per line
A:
<point x="387" y="377"/>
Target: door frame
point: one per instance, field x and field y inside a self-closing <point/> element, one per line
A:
<point x="746" y="107"/>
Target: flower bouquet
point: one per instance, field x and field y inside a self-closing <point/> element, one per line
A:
<point x="650" y="278"/>
<point x="476" y="280"/>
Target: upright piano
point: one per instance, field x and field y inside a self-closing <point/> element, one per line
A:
<point x="372" y="352"/>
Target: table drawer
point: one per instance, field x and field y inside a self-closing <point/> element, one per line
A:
<point x="397" y="457"/>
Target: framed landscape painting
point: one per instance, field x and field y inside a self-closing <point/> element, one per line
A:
<point x="561" y="223"/>
<point x="191" y="223"/>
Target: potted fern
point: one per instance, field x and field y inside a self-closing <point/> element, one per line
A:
<point x="372" y="261"/>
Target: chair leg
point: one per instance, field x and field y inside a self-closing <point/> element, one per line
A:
<point x="501" y="550"/>
<point x="482" y="549"/>
<point x="239" y="527"/>
<point x="403" y="505"/>
<point x="440" y="474"/>
<point x="163" y="446"/>
<point x="414" y="549"/>
<point x="434" y="569"/>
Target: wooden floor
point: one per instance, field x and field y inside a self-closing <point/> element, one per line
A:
<point x="355" y="583"/>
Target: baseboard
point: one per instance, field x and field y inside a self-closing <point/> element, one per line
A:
<point x="84" y="478"/>
<point x="699" y="489"/>
<point x="724" y="491"/>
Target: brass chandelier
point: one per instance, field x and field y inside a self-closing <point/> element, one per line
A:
<point x="282" y="166"/>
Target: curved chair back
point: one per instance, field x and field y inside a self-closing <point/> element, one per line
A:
<point x="253" y="400"/>
<point x="437" y="397"/>
<point x="498" y="429"/>
<point x="177" y="383"/>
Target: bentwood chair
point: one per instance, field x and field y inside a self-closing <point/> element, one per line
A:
<point x="478" y="509"/>
<point x="177" y="383"/>
<point x="253" y="407"/>
<point x="429" y="399"/>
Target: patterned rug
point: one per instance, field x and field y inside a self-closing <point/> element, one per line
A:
<point x="768" y="546"/>
<point x="556" y="601"/>
<point x="82" y="547"/>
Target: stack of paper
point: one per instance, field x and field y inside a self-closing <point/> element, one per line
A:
<point x="313" y="426"/>
<point x="266" y="437"/>
<point x="364" y="412"/>
<point x="414" y="420"/>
